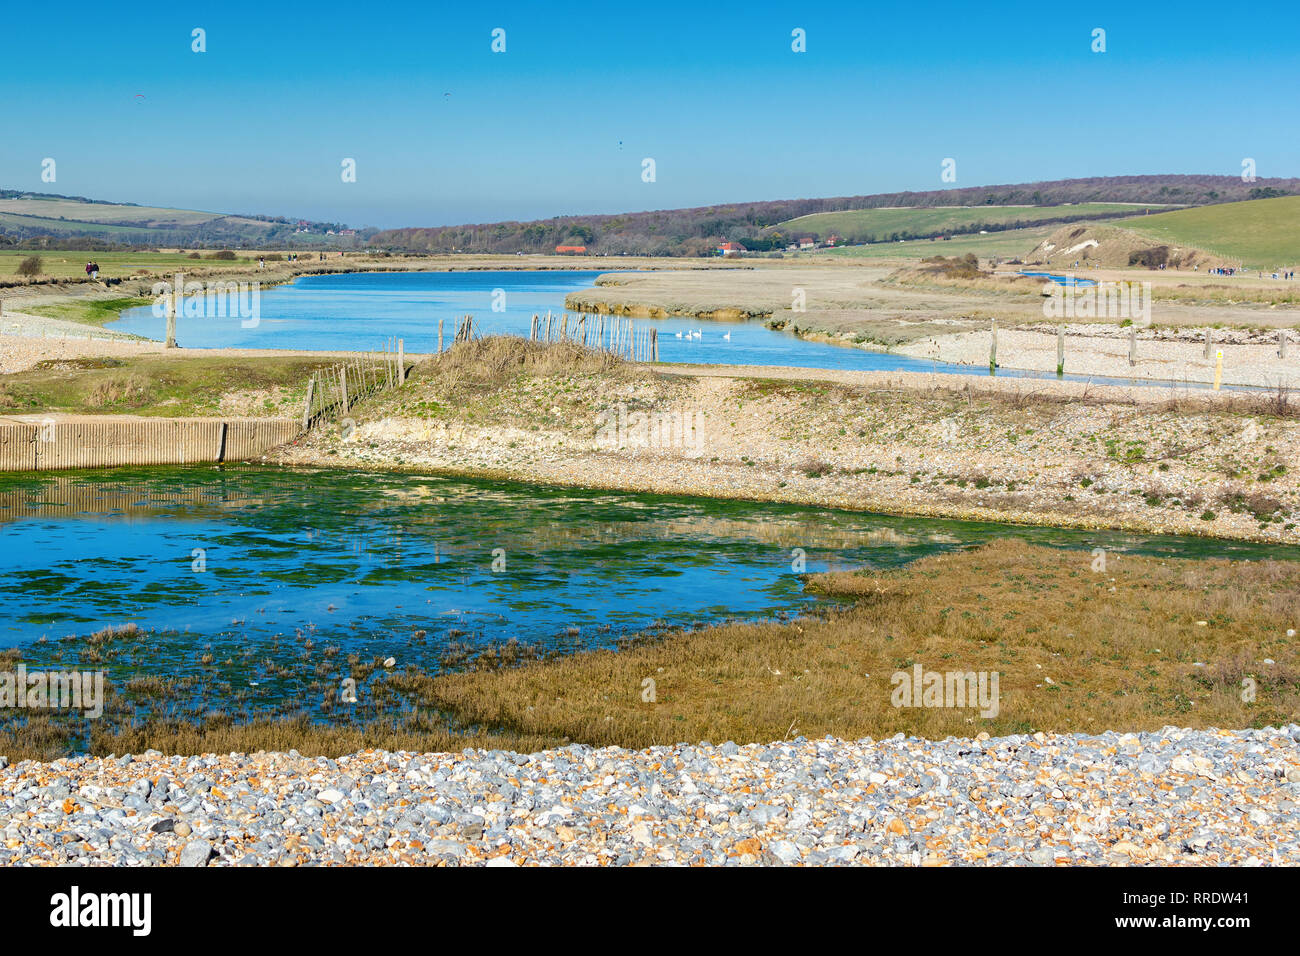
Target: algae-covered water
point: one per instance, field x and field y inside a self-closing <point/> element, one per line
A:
<point x="255" y="586"/>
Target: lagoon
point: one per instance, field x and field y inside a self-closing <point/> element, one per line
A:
<point x="254" y="585"/>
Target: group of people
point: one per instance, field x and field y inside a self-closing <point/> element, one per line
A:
<point x="92" y="270"/>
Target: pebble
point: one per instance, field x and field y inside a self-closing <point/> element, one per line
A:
<point x="1175" y="796"/>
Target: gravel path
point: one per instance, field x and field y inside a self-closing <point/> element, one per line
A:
<point x="1177" y="796"/>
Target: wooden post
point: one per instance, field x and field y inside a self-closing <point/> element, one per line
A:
<point x="306" y="409"/>
<point x="1132" y="345"/>
<point x="532" y="329"/>
<point x="343" y="386"/>
<point x="171" y="320"/>
<point x="600" y="333"/>
<point x="1218" y="369"/>
<point x="1060" y="350"/>
<point x="401" y="361"/>
<point x="548" y="327"/>
<point x="582" y="329"/>
<point x="1208" y="335"/>
<point x="564" y="328"/>
<point x="1281" y="343"/>
<point x="993" y="347"/>
<point x="654" y="345"/>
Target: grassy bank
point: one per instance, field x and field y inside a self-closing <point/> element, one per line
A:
<point x="1144" y="643"/>
<point x="1002" y="451"/>
<point x="96" y="312"/>
<point x="162" y="385"/>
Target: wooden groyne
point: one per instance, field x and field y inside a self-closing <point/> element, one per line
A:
<point x="50" y="444"/>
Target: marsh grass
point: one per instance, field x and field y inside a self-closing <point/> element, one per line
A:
<point x="1072" y="654"/>
<point x="1146" y="643"/>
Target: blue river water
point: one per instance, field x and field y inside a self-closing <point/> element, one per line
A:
<point x="361" y="311"/>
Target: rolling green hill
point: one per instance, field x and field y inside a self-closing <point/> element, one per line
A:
<point x="1260" y="233"/>
<point x="875" y="225"/>
<point x="30" y="216"/>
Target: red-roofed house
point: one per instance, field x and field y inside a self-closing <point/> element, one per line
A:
<point x="730" y="249"/>
<point x="572" y="250"/>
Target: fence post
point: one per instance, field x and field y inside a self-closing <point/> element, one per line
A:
<point x="1060" y="350"/>
<point x="343" y="386"/>
<point x="1281" y="343"/>
<point x="993" y="347"/>
<point x="564" y="328"/>
<point x="440" y="336"/>
<point x="171" y="320"/>
<point x="401" y="361"/>
<point x="532" y="329"/>
<point x="311" y="393"/>
<point x="582" y="329"/>
<point x="1132" y="345"/>
<point x="1208" y="334"/>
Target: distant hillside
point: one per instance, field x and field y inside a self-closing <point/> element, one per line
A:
<point x="1261" y="234"/>
<point x="1093" y="244"/>
<point x="878" y="225"/>
<point x="697" y="231"/>
<point x="52" y="220"/>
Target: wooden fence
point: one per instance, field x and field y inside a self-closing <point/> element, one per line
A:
<point x="613" y="334"/>
<point x="335" y="390"/>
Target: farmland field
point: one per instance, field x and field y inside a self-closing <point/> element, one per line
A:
<point x="883" y="223"/>
<point x="1262" y="233"/>
<point x="71" y="263"/>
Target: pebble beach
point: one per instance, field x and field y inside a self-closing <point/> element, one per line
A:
<point x="1211" y="797"/>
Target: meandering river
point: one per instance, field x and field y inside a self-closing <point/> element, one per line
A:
<point x="361" y="311"/>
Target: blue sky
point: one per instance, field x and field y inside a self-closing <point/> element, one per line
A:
<point x="560" y="122"/>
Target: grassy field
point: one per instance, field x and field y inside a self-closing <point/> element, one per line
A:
<point x="68" y="217"/>
<point x="1146" y="643"/>
<point x="1007" y="244"/>
<point x="72" y="264"/>
<point x="103" y="212"/>
<point x="880" y="224"/>
<point x="162" y="385"/>
<point x="1261" y="233"/>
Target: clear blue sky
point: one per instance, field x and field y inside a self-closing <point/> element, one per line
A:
<point x="560" y="122"/>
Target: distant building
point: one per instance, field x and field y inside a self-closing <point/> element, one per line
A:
<point x="807" y="242"/>
<point x="731" y="249"/>
<point x="572" y="250"/>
